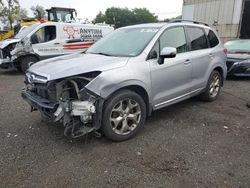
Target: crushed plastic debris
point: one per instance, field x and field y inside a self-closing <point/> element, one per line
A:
<point x="139" y="153"/>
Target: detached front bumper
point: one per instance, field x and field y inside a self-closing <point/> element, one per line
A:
<point x="37" y="102"/>
<point x="78" y="117"/>
<point x="239" y="68"/>
<point x="46" y="107"/>
<point x="6" y="64"/>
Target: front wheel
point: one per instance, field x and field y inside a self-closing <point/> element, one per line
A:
<point x="26" y="62"/>
<point x="124" y="114"/>
<point x="213" y="87"/>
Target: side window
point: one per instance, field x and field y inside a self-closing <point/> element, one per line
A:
<point x="212" y="38"/>
<point x="51" y="15"/>
<point x="44" y="34"/>
<point x="198" y="38"/>
<point x="174" y="37"/>
<point x="154" y="54"/>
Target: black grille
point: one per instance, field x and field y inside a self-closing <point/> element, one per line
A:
<point x="46" y="92"/>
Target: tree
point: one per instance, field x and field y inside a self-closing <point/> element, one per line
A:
<point x="120" y="17"/>
<point x="144" y="16"/>
<point x="23" y="14"/>
<point x="100" y="18"/>
<point x="38" y="11"/>
<point x="174" y="18"/>
<point x="10" y="9"/>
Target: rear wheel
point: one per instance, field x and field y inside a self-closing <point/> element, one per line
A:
<point x="26" y="62"/>
<point x="124" y="114"/>
<point x="213" y="87"/>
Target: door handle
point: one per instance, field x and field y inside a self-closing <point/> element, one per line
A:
<point x="57" y="43"/>
<point x="211" y="55"/>
<point x="188" y="61"/>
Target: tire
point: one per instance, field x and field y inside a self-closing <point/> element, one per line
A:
<point x="26" y="61"/>
<point x="124" y="115"/>
<point x="248" y="104"/>
<point x="213" y="88"/>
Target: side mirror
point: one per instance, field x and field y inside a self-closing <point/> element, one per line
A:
<point x="167" y="52"/>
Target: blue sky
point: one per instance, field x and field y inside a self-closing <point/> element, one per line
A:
<point x="88" y="9"/>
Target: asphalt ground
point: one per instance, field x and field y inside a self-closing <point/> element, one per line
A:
<point x="190" y="144"/>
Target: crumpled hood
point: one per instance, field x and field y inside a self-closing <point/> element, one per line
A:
<point x="75" y="64"/>
<point x="7" y="42"/>
<point x="238" y="56"/>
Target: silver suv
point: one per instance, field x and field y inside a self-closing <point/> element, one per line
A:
<point x="120" y="80"/>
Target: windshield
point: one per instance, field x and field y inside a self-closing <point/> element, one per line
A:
<point x="238" y="46"/>
<point x="128" y="42"/>
<point x="23" y="33"/>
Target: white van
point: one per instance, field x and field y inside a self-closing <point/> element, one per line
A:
<point x="45" y="40"/>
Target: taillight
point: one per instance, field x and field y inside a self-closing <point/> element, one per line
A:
<point x="225" y="50"/>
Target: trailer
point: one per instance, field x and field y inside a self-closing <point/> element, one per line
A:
<point x="230" y="18"/>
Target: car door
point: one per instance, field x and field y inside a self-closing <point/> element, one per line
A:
<point x="201" y="56"/>
<point x="171" y="80"/>
<point x="45" y="42"/>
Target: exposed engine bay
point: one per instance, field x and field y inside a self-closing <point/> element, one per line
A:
<point x="66" y="101"/>
<point x="11" y="52"/>
<point x="5" y="55"/>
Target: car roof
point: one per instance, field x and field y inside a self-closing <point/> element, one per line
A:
<point x="163" y="24"/>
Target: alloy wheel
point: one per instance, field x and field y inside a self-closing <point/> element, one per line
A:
<point x="125" y="116"/>
<point x="214" y="87"/>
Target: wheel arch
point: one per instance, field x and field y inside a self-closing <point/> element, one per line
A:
<point x="22" y="56"/>
<point x="220" y="70"/>
<point x="29" y="55"/>
<point x="140" y="91"/>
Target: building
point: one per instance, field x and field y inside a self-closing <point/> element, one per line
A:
<point x="231" y="18"/>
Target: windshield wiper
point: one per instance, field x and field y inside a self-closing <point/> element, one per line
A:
<point x="100" y="53"/>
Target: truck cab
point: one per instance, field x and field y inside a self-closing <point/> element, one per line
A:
<point x="59" y="14"/>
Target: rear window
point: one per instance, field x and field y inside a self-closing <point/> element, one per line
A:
<point x="212" y="38"/>
<point x="198" y="38"/>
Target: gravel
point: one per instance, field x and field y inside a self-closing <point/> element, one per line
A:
<point x="190" y="144"/>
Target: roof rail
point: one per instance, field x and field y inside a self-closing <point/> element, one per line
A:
<point x="192" y="21"/>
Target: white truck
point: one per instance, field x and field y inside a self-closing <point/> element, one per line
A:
<point x="50" y="39"/>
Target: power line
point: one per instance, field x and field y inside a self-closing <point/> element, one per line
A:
<point x="168" y="13"/>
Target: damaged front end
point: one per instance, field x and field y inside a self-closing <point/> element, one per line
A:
<point x="66" y="101"/>
<point x="11" y="50"/>
<point x="6" y="60"/>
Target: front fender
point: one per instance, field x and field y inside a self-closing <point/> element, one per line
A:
<point x="109" y="82"/>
